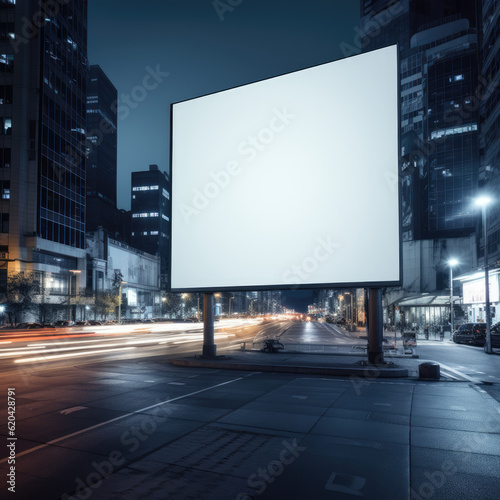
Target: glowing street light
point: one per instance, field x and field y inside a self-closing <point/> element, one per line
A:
<point x="483" y="202"/>
<point x="451" y="263"/>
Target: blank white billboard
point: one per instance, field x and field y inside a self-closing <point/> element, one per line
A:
<point x="290" y="182"/>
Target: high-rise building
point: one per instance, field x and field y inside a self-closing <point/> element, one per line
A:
<point x="43" y="80"/>
<point x="489" y="93"/>
<point x="102" y="154"/>
<point x="151" y="215"/>
<point x="439" y="47"/>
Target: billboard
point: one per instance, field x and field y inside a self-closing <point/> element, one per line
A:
<point x="289" y="182"/>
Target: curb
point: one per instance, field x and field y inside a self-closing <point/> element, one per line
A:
<point x="367" y="372"/>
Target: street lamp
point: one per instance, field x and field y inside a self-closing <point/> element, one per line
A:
<point x="75" y="272"/>
<point x="184" y="296"/>
<point x="451" y="263"/>
<point x="120" y="301"/>
<point x="218" y="295"/>
<point x="483" y="202"/>
<point x="230" y="299"/>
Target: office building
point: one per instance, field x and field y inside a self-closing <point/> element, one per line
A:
<point x="489" y="93"/>
<point x="43" y="81"/>
<point x="102" y="155"/>
<point x="151" y="215"/>
<point x="439" y="51"/>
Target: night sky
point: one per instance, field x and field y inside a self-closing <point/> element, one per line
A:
<point x="203" y="50"/>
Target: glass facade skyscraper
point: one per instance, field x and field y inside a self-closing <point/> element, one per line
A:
<point x="438" y="47"/>
<point x="43" y="75"/>
<point x="63" y="124"/>
<point x="489" y="175"/>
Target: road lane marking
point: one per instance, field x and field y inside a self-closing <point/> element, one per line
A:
<point x="460" y="374"/>
<point x="82" y="431"/>
<point x="68" y="411"/>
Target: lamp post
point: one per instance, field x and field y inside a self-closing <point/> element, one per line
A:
<point x="230" y="299"/>
<point x="483" y="202"/>
<point x="341" y="297"/>
<point x="120" y="301"/>
<point x="218" y="296"/>
<point x="75" y="272"/>
<point x="451" y="263"/>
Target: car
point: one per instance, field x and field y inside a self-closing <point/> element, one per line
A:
<point x="29" y="326"/>
<point x="471" y="333"/>
<point x="62" y="323"/>
<point x="495" y="335"/>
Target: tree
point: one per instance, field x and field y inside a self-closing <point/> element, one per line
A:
<point x="106" y="302"/>
<point x="171" y="304"/>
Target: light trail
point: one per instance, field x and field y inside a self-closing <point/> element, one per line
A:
<point x="73" y="355"/>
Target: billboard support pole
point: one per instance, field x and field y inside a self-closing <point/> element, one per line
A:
<point x="375" y="328"/>
<point x="209" y="347"/>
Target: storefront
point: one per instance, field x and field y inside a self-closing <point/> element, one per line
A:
<point x="473" y="291"/>
<point x="427" y="315"/>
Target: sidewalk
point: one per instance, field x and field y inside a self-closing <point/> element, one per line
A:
<point x="344" y="364"/>
<point x="203" y="433"/>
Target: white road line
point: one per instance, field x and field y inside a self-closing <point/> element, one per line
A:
<point x="118" y="418"/>
<point x="460" y="374"/>
<point x="449" y="375"/>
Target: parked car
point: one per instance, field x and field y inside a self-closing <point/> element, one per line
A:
<point x="495" y="335"/>
<point x="62" y="323"/>
<point x="29" y="326"/>
<point x="471" y="333"/>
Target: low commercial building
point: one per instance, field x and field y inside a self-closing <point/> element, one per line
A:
<point x="115" y="266"/>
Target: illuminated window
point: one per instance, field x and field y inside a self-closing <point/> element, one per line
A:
<point x="145" y="188"/>
<point x="154" y="233"/>
<point x="7" y="126"/>
<point x="5" y="190"/>
<point x="454" y="130"/>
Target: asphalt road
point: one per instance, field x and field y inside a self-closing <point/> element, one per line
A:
<point x="113" y="400"/>
<point x="469" y="360"/>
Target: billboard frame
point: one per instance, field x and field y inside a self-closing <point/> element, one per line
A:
<point x="288" y="286"/>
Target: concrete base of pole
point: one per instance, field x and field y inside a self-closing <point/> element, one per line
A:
<point x="209" y="351"/>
